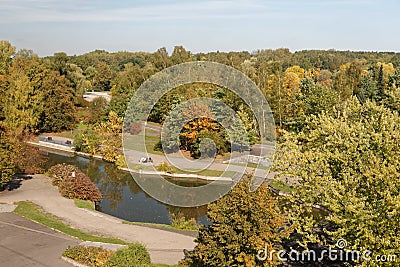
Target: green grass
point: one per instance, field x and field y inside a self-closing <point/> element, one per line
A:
<point x="71" y="134"/>
<point x="151" y="141"/>
<point x="154" y="123"/>
<point x="206" y="172"/>
<point x="160" y="225"/>
<point x="133" y="142"/>
<point x="84" y="204"/>
<point x="34" y="213"/>
<point x="250" y="165"/>
<point x="281" y="186"/>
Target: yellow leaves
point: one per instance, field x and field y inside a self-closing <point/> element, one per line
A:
<point x="344" y="67"/>
<point x="364" y="73"/>
<point x="113" y="125"/>
<point x="296" y="70"/>
<point x="195" y="127"/>
<point x="292" y="79"/>
<point x="388" y="69"/>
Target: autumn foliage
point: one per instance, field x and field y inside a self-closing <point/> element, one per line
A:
<point x="72" y="183"/>
<point x="243" y="223"/>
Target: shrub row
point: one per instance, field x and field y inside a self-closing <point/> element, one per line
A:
<point x="90" y="256"/>
<point x="134" y="256"/>
<point x="79" y="187"/>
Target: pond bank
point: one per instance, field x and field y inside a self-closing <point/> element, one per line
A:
<point x="183" y="176"/>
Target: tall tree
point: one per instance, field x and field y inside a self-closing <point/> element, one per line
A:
<point x="348" y="163"/>
<point x="243" y="223"/>
<point x="7" y="51"/>
<point x="58" y="110"/>
<point x="180" y="55"/>
<point x="161" y="59"/>
<point x="103" y="77"/>
<point x="22" y="97"/>
<point x="8" y="151"/>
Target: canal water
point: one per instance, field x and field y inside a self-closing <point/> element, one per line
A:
<point x="123" y="198"/>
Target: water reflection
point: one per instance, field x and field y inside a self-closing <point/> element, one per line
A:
<point x="123" y="198"/>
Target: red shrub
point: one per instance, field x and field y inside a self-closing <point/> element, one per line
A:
<point x="135" y="128"/>
<point x="60" y="171"/>
<point x="80" y="187"/>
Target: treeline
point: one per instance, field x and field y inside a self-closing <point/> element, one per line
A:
<point x="295" y="84"/>
<point x="46" y="91"/>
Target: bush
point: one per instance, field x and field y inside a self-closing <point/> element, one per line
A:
<point x="80" y="187"/>
<point x="180" y="222"/>
<point x="135" y="255"/>
<point x="135" y="128"/>
<point x="164" y="167"/>
<point x="90" y="256"/>
<point x="60" y="171"/>
<point x="29" y="159"/>
<point x="87" y="140"/>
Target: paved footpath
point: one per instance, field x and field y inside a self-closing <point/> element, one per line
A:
<point x="25" y="243"/>
<point x="164" y="246"/>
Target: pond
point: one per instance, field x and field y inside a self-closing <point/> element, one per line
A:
<point x="123" y="198"/>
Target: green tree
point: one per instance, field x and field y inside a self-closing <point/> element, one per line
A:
<point x="103" y="77"/>
<point x="317" y="98"/>
<point x="180" y="55"/>
<point x="243" y="223"/>
<point x="58" y="62"/>
<point x="27" y="54"/>
<point x="161" y="59"/>
<point x="348" y="163"/>
<point x="98" y="109"/>
<point x="76" y="78"/>
<point x="58" y="110"/>
<point x="87" y="140"/>
<point x="8" y="155"/>
<point x="6" y="53"/>
<point x="125" y="85"/>
<point x="22" y="98"/>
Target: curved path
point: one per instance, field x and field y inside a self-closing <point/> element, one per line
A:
<point x="164" y="246"/>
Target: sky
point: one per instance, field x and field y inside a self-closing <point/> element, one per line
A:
<point x="80" y="26"/>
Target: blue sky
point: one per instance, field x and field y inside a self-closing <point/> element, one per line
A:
<point x="76" y="27"/>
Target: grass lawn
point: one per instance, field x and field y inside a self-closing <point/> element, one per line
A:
<point x="281" y="186"/>
<point x="84" y="204"/>
<point x="132" y="142"/>
<point x="250" y="165"/>
<point x="34" y="213"/>
<point x="160" y="225"/>
<point x="71" y="134"/>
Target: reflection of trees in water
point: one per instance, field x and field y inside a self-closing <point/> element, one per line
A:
<point x="92" y="170"/>
<point x="112" y="183"/>
<point x="133" y="187"/>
